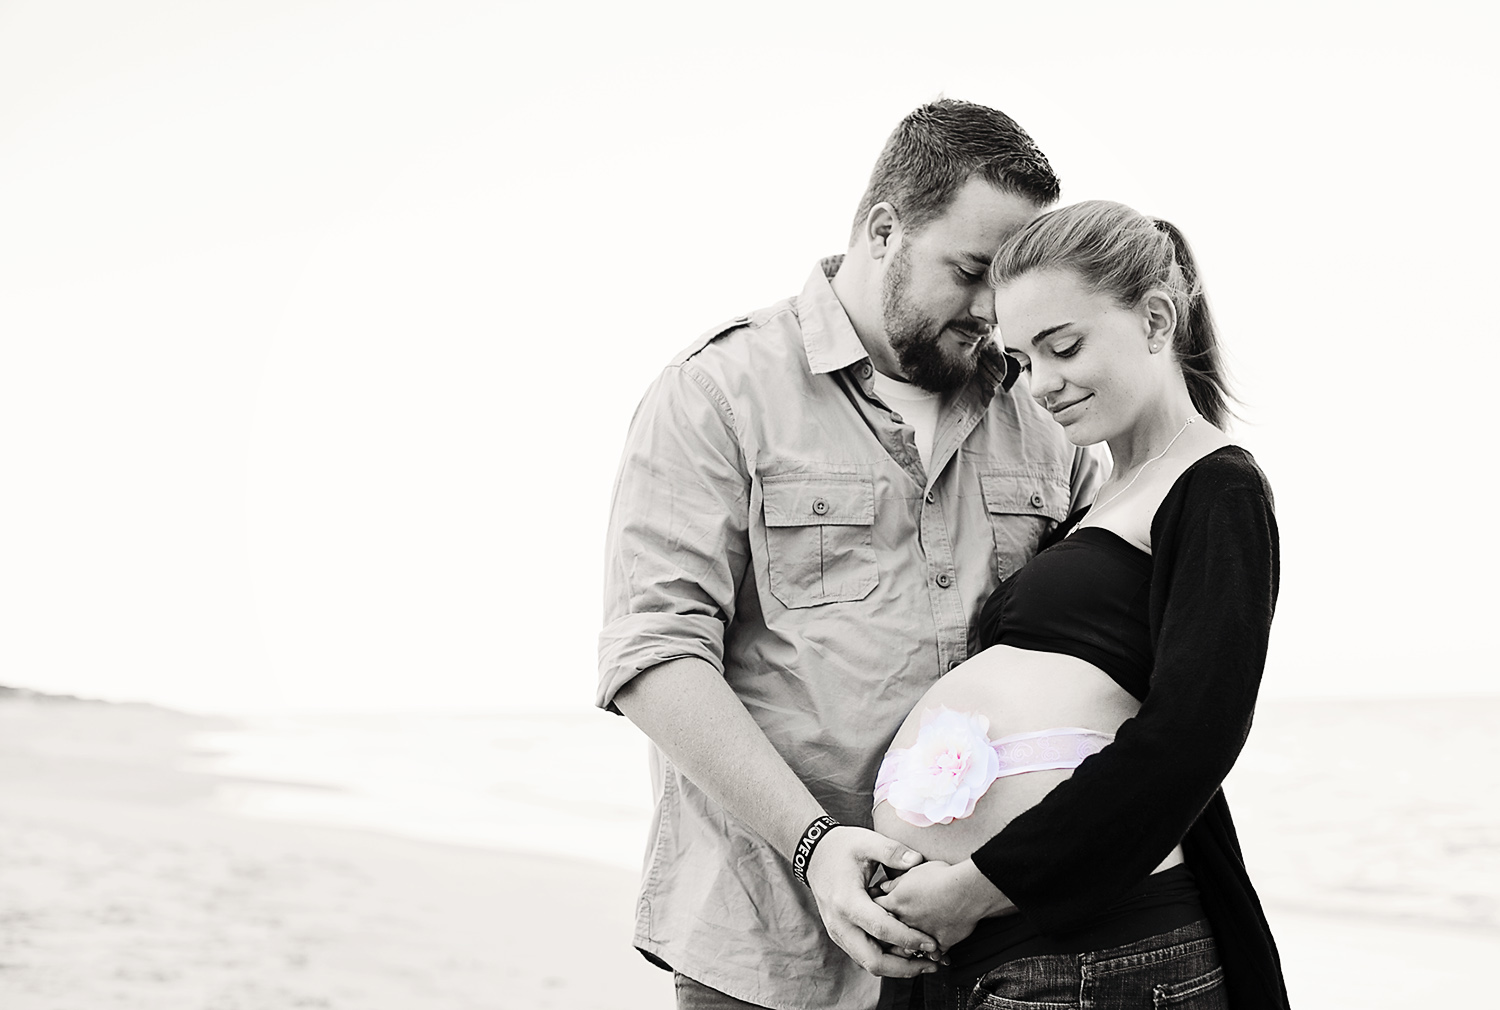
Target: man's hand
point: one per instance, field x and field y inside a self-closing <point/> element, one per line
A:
<point x="943" y="900"/>
<point x="694" y="716"/>
<point x="840" y="872"/>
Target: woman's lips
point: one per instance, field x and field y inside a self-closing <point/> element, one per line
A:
<point x="1061" y="414"/>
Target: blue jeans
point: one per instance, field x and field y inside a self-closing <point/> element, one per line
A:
<point x="1178" y="970"/>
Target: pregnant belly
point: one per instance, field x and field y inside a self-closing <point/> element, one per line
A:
<point x="1020" y="692"/>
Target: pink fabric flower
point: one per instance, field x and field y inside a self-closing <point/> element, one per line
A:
<point x="941" y="776"/>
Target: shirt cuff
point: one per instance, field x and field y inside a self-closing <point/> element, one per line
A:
<point x="633" y="644"/>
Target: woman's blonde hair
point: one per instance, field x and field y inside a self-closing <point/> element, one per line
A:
<point x="1121" y="251"/>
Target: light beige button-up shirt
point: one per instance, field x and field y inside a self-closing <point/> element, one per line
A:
<point x="772" y="517"/>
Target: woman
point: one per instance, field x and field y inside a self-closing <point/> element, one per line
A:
<point x="1071" y="770"/>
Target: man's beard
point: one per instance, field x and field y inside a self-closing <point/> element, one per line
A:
<point x="917" y="339"/>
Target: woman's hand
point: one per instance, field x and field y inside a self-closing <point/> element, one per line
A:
<point x="943" y="900"/>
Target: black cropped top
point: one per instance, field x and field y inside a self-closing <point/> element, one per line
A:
<point x="1195" y="659"/>
<point x="1087" y="596"/>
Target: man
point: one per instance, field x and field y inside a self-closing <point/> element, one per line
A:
<point x="813" y="503"/>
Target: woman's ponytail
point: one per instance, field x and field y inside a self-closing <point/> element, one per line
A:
<point x="1197" y="339"/>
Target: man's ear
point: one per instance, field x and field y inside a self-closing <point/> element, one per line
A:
<point x="880" y="228"/>
<point x="1160" y="316"/>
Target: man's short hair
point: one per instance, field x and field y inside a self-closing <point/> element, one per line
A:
<point x="934" y="151"/>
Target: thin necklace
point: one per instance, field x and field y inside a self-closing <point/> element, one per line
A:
<point x="1095" y="510"/>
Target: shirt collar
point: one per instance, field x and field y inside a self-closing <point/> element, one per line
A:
<point x="831" y="343"/>
<point x="827" y="334"/>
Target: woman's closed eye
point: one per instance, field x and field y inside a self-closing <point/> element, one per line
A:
<point x="1069" y="350"/>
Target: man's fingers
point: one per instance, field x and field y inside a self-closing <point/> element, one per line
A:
<point x="839" y="874"/>
<point x="888" y="851"/>
<point x="888" y="929"/>
<point x="874" y="960"/>
<point x="891" y="966"/>
<point x="938" y="955"/>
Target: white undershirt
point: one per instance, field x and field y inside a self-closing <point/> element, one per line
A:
<point x="917" y="407"/>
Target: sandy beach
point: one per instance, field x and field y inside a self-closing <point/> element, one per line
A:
<point x="124" y="884"/>
<point x="117" y="889"/>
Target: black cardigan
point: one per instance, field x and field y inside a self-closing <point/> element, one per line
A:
<point x="1214" y="578"/>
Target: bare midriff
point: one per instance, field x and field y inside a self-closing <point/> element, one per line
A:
<point x="1020" y="692"/>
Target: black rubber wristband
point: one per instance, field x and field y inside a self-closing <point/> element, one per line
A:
<point x="809" y="841"/>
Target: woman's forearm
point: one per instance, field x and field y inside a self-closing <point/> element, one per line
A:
<point x="983" y="898"/>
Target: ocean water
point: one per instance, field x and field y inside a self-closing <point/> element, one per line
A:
<point x="1386" y="811"/>
<point x="563" y="784"/>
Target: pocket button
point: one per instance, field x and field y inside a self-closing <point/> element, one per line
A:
<point x="1036" y="499"/>
<point x="820" y="506"/>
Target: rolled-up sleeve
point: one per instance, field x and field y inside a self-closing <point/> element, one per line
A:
<point x="677" y="544"/>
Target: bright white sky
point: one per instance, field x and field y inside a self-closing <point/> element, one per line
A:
<point x="322" y="322"/>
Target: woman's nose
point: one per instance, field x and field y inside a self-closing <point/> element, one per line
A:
<point x="1046" y="382"/>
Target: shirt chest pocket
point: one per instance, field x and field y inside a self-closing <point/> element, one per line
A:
<point x="1024" y="501"/>
<point x="820" y="538"/>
